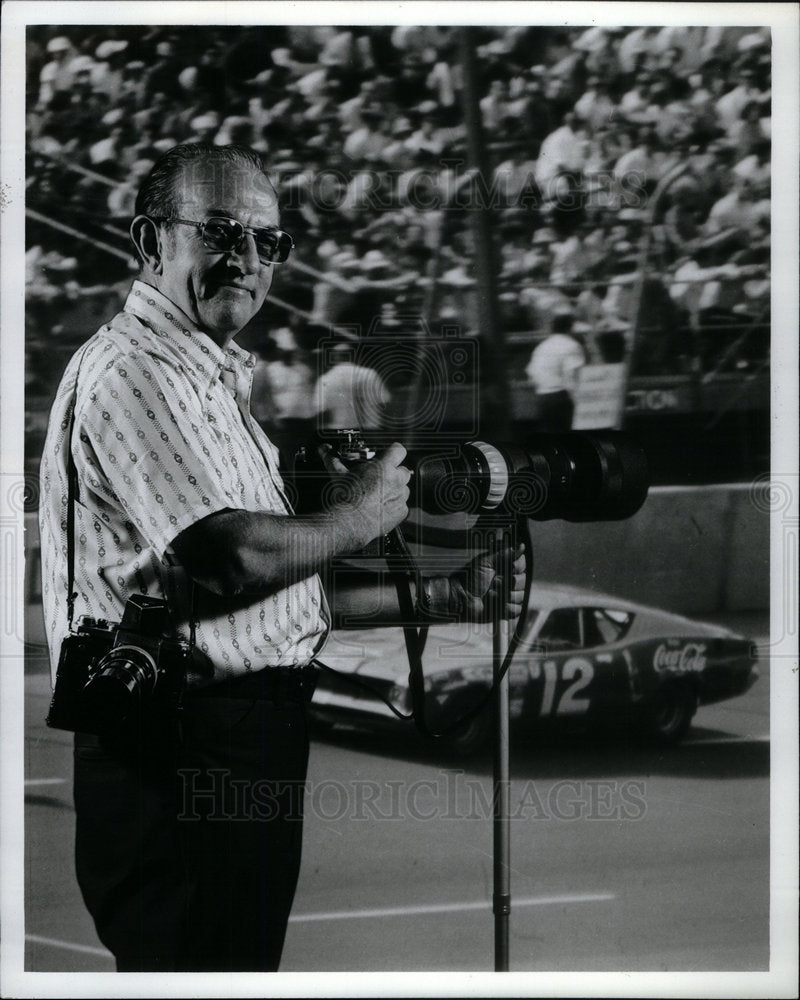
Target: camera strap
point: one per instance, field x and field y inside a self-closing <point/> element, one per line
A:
<point x="403" y="567"/>
<point x="72" y="492"/>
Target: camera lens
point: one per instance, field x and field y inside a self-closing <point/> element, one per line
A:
<point x="123" y="679"/>
<point x="574" y="476"/>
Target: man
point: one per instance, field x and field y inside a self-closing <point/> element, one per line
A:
<point x="188" y="836"/>
<point x="349" y="394"/>
<point x="553" y="369"/>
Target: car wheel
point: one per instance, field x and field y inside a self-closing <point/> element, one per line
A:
<point x="468" y="739"/>
<point x="670" y="714"/>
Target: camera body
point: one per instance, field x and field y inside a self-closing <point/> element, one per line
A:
<point x="115" y="675"/>
<point x="311" y="486"/>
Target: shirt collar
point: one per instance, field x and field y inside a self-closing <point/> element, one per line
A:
<point x="175" y="328"/>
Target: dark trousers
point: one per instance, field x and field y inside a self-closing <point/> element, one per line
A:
<point x="554" y="411"/>
<point x="188" y="846"/>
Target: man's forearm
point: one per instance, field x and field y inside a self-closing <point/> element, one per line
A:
<point x="245" y="552"/>
<point x="235" y="552"/>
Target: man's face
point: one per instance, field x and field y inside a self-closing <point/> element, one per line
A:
<point x="220" y="292"/>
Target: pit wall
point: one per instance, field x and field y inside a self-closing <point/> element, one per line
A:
<point x="694" y="550"/>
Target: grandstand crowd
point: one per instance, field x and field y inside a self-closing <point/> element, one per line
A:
<point x="630" y="172"/>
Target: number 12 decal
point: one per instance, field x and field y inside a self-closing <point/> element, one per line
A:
<point x="577" y="669"/>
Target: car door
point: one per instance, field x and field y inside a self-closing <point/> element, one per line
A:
<point x="559" y="672"/>
<point x="576" y="664"/>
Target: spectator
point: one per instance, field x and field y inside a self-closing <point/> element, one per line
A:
<point x="109" y="74"/>
<point x="756" y="167"/>
<point x="349" y="394"/>
<point x="595" y="106"/>
<point x="204" y="127"/>
<point x="740" y="209"/>
<point x="427" y="138"/>
<point x="642" y="165"/>
<point x="746" y="134"/>
<point x="85" y="106"/>
<point x="532" y="111"/>
<point x="369" y="140"/>
<point x="122" y="199"/>
<point x="396" y="152"/>
<point x="569" y="260"/>
<point x="106" y="153"/>
<point x="562" y="150"/>
<point x="731" y="105"/>
<point x="445" y="81"/>
<point x="634" y="48"/>
<point x="282" y="396"/>
<point x="495" y="106"/>
<point x="57" y="75"/>
<point x="514" y="180"/>
<point x="553" y="371"/>
<point x="682" y="225"/>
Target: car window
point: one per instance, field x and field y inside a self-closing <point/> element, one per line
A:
<point x="605" y="625"/>
<point x="560" y="631"/>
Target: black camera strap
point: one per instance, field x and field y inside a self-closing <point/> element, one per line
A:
<point x="72" y="493"/>
<point x="403" y="568"/>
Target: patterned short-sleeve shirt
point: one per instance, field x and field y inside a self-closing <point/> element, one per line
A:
<point x="163" y="437"/>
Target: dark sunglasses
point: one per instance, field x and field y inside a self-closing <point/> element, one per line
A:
<point x="224" y="235"/>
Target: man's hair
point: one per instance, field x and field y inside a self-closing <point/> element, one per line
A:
<point x="158" y="197"/>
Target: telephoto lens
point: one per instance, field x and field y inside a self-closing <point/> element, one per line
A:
<point x="575" y="476"/>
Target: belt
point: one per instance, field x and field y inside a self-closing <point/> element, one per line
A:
<point x="276" y="684"/>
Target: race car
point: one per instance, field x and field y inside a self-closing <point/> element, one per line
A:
<point x="584" y="659"/>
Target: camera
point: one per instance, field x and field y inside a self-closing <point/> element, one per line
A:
<point x="574" y="476"/>
<point x="115" y="675"/>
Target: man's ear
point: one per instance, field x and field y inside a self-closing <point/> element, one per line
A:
<point x="146" y="237"/>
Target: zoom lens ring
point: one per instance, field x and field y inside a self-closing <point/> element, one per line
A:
<point x="497" y="468"/>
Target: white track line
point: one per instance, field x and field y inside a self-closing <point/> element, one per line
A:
<point x="410" y="911"/>
<point x="30" y="782"/>
<point x="700" y="742"/>
<point x="399" y="911"/>
<point x="68" y="945"/>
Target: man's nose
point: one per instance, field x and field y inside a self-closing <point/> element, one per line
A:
<point x="246" y="254"/>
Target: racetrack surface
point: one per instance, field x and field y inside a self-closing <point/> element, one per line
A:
<point x="623" y="857"/>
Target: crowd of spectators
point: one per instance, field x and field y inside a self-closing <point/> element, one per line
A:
<point x="630" y="171"/>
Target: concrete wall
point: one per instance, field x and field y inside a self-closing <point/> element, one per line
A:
<point x="696" y="550"/>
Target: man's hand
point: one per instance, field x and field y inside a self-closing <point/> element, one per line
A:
<point x="370" y="498"/>
<point x="482" y="583"/>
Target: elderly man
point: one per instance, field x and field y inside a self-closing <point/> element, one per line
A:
<point x="157" y="480"/>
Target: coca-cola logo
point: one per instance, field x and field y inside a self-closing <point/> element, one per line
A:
<point x="689" y="657"/>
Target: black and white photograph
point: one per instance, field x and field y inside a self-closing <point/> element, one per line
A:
<point x="399" y="499"/>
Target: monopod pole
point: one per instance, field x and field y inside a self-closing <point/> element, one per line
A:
<point x="501" y="900"/>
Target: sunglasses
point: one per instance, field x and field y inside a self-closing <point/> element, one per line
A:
<point x="224" y="235"/>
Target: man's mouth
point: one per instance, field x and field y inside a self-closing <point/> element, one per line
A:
<point x="232" y="286"/>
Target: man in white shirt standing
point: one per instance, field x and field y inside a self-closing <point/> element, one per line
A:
<point x="157" y="482"/>
<point x="553" y="370"/>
